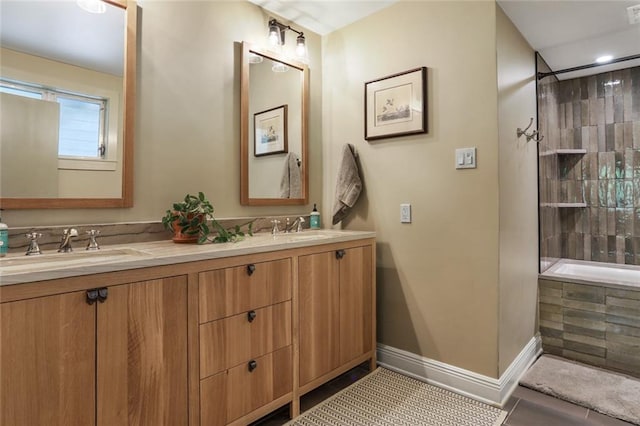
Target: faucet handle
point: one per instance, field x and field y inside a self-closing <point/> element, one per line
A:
<point x="33" y="243"/>
<point x="93" y="244"/>
<point x="275" y="230"/>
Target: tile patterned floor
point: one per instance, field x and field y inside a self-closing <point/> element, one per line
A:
<point x="526" y="407"/>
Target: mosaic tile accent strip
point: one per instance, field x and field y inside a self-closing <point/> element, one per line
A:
<point x="385" y="397"/>
<point x="593" y="324"/>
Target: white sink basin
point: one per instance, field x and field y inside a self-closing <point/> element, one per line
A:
<point x="52" y="261"/>
<point x="306" y="235"/>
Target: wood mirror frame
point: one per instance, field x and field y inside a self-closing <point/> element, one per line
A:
<point x="245" y="199"/>
<point x="128" y="132"/>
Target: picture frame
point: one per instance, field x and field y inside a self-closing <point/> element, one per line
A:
<point x="396" y="105"/>
<point x="270" y="131"/>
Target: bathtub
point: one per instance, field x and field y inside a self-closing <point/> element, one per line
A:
<point x="605" y="274"/>
<point x="590" y="312"/>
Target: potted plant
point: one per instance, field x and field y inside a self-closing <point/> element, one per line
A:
<point x="189" y="219"/>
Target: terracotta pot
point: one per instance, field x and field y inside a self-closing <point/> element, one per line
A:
<point x="179" y="237"/>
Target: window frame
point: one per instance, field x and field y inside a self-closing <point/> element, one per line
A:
<point x="105" y="160"/>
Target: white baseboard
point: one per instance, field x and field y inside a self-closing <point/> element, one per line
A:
<point x="477" y="386"/>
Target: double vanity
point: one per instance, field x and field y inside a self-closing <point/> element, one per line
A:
<point x="168" y="334"/>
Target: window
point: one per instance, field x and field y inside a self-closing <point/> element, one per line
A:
<point x="83" y="119"/>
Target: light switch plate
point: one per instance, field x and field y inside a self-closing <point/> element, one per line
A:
<point x="405" y="213"/>
<point x="466" y="158"/>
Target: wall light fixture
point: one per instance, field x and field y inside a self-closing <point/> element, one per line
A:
<point x="276" y="37"/>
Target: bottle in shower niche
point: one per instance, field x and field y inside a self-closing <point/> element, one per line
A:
<point x="4" y="239"/>
<point x="314" y="218"/>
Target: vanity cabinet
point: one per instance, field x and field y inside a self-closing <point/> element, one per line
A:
<point x="336" y="311"/>
<point x="204" y="342"/>
<point x="245" y="339"/>
<point x="118" y="362"/>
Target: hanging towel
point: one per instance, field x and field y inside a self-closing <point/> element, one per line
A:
<point x="290" y="186"/>
<point x="348" y="185"/>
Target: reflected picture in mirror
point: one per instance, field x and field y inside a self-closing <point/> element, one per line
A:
<point x="67" y="90"/>
<point x="274" y="94"/>
<point x="270" y="132"/>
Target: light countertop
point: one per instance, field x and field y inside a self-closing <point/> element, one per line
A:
<point x="17" y="268"/>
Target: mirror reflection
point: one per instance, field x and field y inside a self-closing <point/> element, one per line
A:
<point x="274" y="127"/>
<point x="63" y="97"/>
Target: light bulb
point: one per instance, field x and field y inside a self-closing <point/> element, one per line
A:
<point x="279" y="67"/>
<point x="301" y="48"/>
<point x="254" y="59"/>
<point x="274" y="35"/>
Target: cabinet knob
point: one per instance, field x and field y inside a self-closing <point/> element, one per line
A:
<point x="97" y="295"/>
<point x="252" y="365"/>
<point x="102" y="294"/>
<point x="92" y="296"/>
<point x="251" y="269"/>
<point x="340" y="254"/>
<point x="251" y="315"/>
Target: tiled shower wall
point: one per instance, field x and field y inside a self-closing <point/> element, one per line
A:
<point x="599" y="114"/>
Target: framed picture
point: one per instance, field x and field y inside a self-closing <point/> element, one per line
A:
<point x="270" y="131"/>
<point x="396" y="105"/>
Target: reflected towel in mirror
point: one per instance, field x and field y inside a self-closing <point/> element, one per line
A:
<point x="290" y="183"/>
<point x="348" y="185"/>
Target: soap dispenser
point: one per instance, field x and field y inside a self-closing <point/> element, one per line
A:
<point x="314" y="218"/>
<point x="4" y="238"/>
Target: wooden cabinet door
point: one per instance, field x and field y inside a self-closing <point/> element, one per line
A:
<point x="47" y="360"/>
<point x="142" y="354"/>
<point x="319" y="315"/>
<point x="355" y="303"/>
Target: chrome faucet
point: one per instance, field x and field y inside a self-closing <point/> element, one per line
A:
<point x="65" y="244"/>
<point x="33" y="243"/>
<point x="93" y="244"/>
<point x="296" y="223"/>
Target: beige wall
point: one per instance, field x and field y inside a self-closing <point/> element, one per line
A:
<point x="187" y="124"/>
<point x="454" y="285"/>
<point x="518" y="192"/>
<point x="438" y="276"/>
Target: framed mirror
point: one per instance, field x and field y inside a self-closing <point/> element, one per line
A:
<point x="273" y="129"/>
<point x="68" y="78"/>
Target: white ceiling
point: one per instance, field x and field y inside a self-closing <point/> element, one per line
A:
<point x="60" y="30"/>
<point x="574" y="33"/>
<point x="567" y="33"/>
<point x="323" y="16"/>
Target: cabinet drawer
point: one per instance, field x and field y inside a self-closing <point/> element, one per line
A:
<point x="230" y="291"/>
<point x="232" y="394"/>
<point x="231" y="341"/>
<point x="248" y="390"/>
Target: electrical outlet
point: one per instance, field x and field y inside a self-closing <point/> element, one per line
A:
<point x="405" y="213"/>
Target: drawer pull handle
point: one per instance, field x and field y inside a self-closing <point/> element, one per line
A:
<point x="97" y="295"/>
<point x="251" y="315"/>
<point x="252" y="365"/>
<point x="340" y="254"/>
<point x="251" y="269"/>
<point x="92" y="296"/>
<point x="102" y="294"/>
